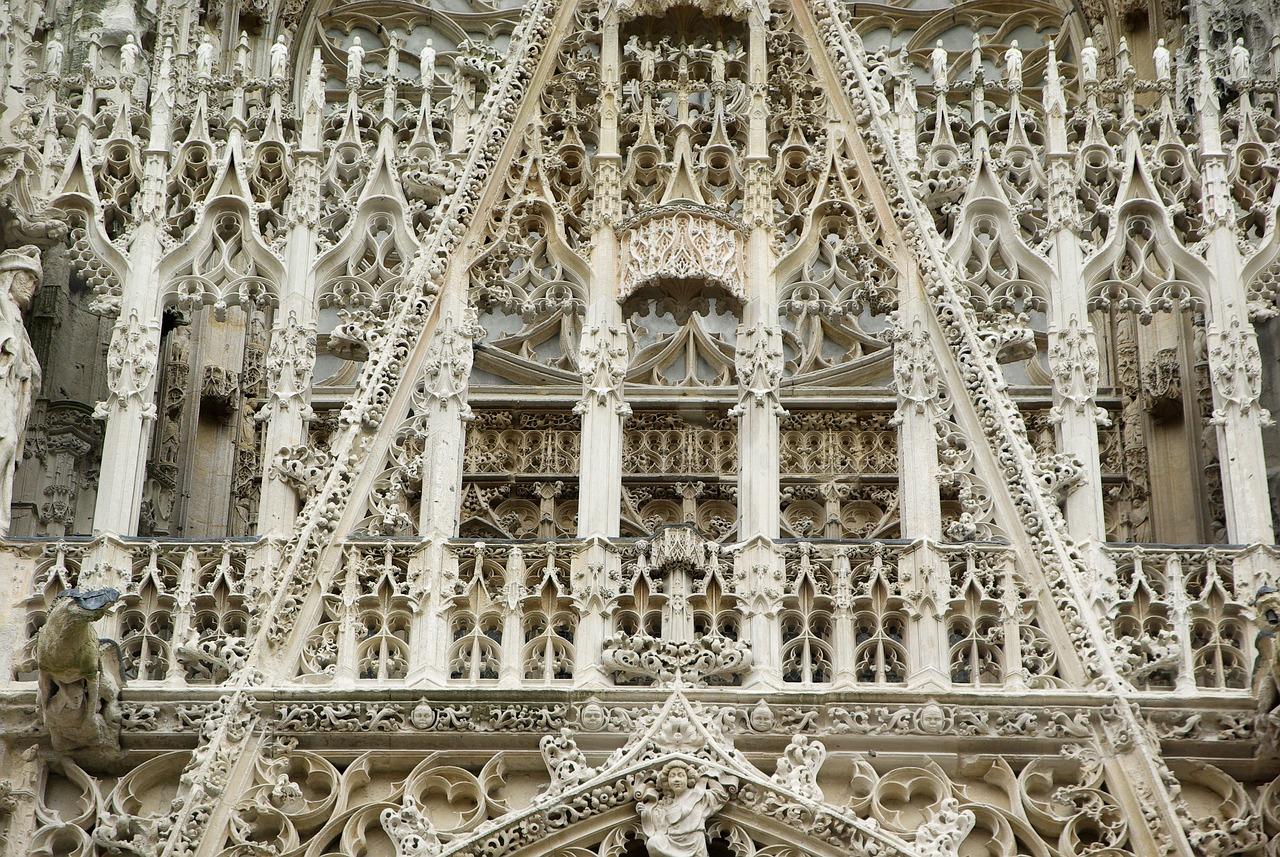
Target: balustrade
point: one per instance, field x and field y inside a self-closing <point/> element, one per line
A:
<point x="846" y="612"/>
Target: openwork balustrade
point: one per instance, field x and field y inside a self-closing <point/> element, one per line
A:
<point x="864" y="614"/>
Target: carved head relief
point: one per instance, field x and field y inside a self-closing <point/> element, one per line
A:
<point x="21" y="271"/>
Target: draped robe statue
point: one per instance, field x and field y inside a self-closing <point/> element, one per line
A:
<point x="20" y="274"/>
<point x="673" y="816"/>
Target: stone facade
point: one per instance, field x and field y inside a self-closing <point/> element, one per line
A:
<point x="599" y="428"/>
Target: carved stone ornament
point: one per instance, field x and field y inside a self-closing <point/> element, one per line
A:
<point x="80" y="678"/>
<point x="20" y="274"/>
<point x="668" y="662"/>
<point x="303" y="467"/>
<point x="682" y="242"/>
<point x="758" y="361"/>
<point x="1237" y="370"/>
<point x="448" y="368"/>
<point x="290" y="360"/>
<point x="410" y="830"/>
<point x="1074" y="358"/>
<point x="950" y="259"/>
<point x="602" y="363"/>
<point x="915" y="368"/>
<point x="683" y="770"/>
<point x="736" y="9"/>
<point x="131" y="366"/>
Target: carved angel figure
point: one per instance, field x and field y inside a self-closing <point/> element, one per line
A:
<point x="20" y="274"/>
<point x="674" y="810"/>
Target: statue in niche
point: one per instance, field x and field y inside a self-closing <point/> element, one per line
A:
<point x="674" y="808"/>
<point x="20" y="274"/>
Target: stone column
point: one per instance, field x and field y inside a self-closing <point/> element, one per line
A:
<point x="602" y="357"/>
<point x="1235" y="364"/>
<point x="921" y="571"/>
<point x="442" y="402"/>
<point x="594" y="566"/>
<point x="758" y="361"/>
<point x="1073" y="351"/>
<point x="292" y="354"/>
<point x="135" y="341"/>
<point x="758" y="357"/>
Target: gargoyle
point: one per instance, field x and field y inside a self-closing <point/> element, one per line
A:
<point x="79" y="674"/>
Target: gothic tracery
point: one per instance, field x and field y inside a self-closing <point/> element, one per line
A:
<point x="599" y="428"/>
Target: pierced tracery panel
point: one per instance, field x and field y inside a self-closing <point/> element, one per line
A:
<point x="844" y="617"/>
<point x="993" y="623"/>
<point x="839" y="474"/>
<point x="512" y="616"/>
<point x="1180" y="620"/>
<point x="520" y="475"/>
<point x="369" y="613"/>
<point x="679" y="468"/>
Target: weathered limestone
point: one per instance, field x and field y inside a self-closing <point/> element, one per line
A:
<point x="806" y="434"/>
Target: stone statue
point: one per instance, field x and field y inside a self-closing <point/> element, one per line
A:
<point x="279" y="58"/>
<point x="427" y="65"/>
<point x="1163" y="61"/>
<point x="942" y="834"/>
<point x="938" y="64"/>
<point x="53" y="53"/>
<point x="1240" y="60"/>
<point x="355" y="62"/>
<point x="20" y="273"/>
<point x="719" y="63"/>
<point x="674" y="810"/>
<point x="1013" y="64"/>
<point x="1089" y="62"/>
<point x="204" y="58"/>
<point x="79" y="687"/>
<point x="647" y="56"/>
<point x="129" y="53"/>
<point x="1266" y="681"/>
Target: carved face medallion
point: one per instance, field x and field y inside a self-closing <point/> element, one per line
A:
<point x="761" y="717"/>
<point x="423" y="716"/>
<point x="933" y="719"/>
<point x="592" y="717"/>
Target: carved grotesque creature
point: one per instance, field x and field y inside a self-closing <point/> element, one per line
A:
<point x="79" y="674"/>
<point x="20" y="274"/>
